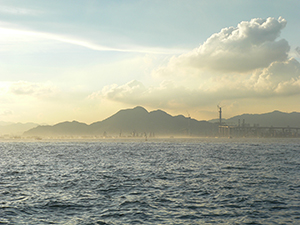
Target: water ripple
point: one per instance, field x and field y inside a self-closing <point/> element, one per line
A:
<point x="159" y="182"/>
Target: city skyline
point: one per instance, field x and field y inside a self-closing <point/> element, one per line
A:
<point x="85" y="60"/>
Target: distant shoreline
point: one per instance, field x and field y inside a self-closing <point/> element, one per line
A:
<point x="157" y="140"/>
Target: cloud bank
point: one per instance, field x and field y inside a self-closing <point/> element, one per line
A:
<point x="167" y="94"/>
<point x="240" y="62"/>
<point x="32" y="89"/>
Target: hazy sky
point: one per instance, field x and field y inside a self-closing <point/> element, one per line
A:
<point x="86" y="59"/>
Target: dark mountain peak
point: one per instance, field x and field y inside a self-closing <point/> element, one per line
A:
<point x="275" y="112"/>
<point x="139" y="108"/>
<point x="247" y="115"/>
<point x="135" y="111"/>
<point x="74" y="122"/>
<point x="281" y="113"/>
<point x="295" y="113"/>
<point x="180" y="116"/>
<point x="159" y="112"/>
<point x="124" y="117"/>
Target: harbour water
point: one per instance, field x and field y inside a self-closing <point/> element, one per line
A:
<point x="162" y="181"/>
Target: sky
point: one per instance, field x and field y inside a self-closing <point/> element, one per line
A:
<point x="85" y="60"/>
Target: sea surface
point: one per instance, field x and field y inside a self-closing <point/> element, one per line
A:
<point x="161" y="181"/>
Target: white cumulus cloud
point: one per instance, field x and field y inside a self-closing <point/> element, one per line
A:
<point x="251" y="45"/>
<point x="279" y="78"/>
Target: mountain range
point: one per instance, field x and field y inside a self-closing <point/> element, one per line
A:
<point x="275" y="119"/>
<point x="131" y="122"/>
<point x="139" y="122"/>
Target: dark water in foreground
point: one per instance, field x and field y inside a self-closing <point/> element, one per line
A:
<point x="201" y="181"/>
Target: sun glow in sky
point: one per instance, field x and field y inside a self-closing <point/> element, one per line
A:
<point x="84" y="60"/>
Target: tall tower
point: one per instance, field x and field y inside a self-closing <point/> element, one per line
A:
<point x="220" y="115"/>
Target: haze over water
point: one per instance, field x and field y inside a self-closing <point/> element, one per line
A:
<point x="162" y="181"/>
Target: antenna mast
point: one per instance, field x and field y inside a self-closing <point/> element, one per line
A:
<point x="220" y="115"/>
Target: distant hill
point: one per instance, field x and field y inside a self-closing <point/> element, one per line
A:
<point x="275" y="119"/>
<point x="64" y="128"/>
<point x="132" y="122"/>
<point x="15" y="128"/>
